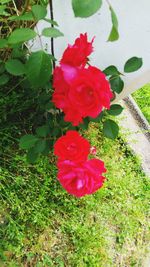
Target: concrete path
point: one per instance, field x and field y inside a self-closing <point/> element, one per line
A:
<point x="137" y="130"/>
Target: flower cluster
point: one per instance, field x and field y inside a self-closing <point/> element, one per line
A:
<point x="76" y="173"/>
<point x="80" y="90"/>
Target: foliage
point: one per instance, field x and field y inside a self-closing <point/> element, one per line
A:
<point x="86" y="8"/>
<point x="133" y="64"/>
<point x="114" y="35"/>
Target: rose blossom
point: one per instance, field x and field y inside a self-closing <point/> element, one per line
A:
<point x="72" y="146"/>
<point x="81" y="179"/>
<point x="80" y="92"/>
<point x="76" y="54"/>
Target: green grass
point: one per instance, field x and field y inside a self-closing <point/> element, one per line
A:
<point x="142" y="97"/>
<point x="41" y="225"/>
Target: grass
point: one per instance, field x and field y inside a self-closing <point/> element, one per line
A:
<point x="41" y="225"/>
<point x="142" y="97"/>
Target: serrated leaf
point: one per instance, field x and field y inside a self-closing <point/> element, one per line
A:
<point x="27" y="141"/>
<point x="3" y="43"/>
<point x="110" y="129"/>
<point x="4" y="78"/>
<point x="52" y="32"/>
<point x="114" y="34"/>
<point x="42" y="131"/>
<point x="32" y="156"/>
<point x="85" y="8"/>
<point x="39" y="12"/>
<point x="111" y="70"/>
<point x="38" y="69"/>
<point x="21" y="36"/>
<point x="15" y="67"/>
<point x="116" y="83"/>
<point x="133" y="64"/>
<point x="115" y="110"/>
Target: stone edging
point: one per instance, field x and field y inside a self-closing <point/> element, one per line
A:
<point x="138" y="115"/>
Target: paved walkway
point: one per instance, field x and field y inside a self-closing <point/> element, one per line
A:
<point x="135" y="126"/>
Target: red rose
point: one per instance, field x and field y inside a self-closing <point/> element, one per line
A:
<point x="76" y="55"/>
<point x="80" y="92"/>
<point x="81" y="179"/>
<point x="72" y="146"/>
<point x="62" y="78"/>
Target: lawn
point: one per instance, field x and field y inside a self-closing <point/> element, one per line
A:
<point x="41" y="225"/>
<point x="142" y="97"/>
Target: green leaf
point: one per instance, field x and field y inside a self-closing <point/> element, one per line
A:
<point x="53" y="22"/>
<point x="2" y="11"/>
<point x="56" y="132"/>
<point x="110" y="129"/>
<point x="18" y="52"/>
<point x="49" y="106"/>
<point x="27" y="141"/>
<point x="116" y="83"/>
<point x="98" y="118"/>
<point x="3" y="43"/>
<point x="133" y="64"/>
<point x="39" y="12"/>
<point x="48" y="147"/>
<point x="15" y="67"/>
<point x="4" y="78"/>
<point x="40" y="146"/>
<point x="5" y="1"/>
<point x="42" y="131"/>
<point x="85" y="8"/>
<point x="85" y="123"/>
<point x="21" y="36"/>
<point x="32" y="156"/>
<point x="27" y="16"/>
<point x="52" y="32"/>
<point x="39" y="69"/>
<point x="114" y="34"/>
<point x="115" y="110"/>
<point x="111" y="70"/>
